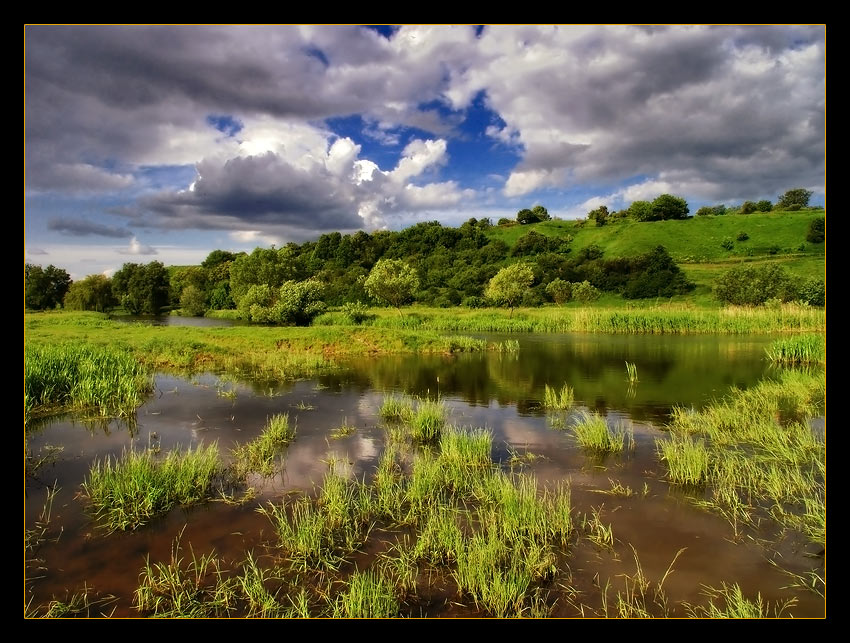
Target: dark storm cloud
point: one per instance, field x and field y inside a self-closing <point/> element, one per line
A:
<point x="82" y="228"/>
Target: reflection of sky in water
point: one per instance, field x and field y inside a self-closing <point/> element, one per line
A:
<point x="500" y="392"/>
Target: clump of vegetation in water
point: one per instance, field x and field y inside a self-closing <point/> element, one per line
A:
<point x="258" y="454"/>
<point x="593" y="433"/>
<point x="127" y="492"/>
<point x="553" y="399"/>
<point x="105" y="379"/>
<point x="800" y="349"/>
<point x="421" y="418"/>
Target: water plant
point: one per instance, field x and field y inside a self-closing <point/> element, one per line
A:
<point x="733" y="604"/>
<point x="631" y="372"/>
<point x="799" y="349"/>
<point x="555" y="400"/>
<point x="593" y="433"/>
<point x="368" y="595"/>
<point x="396" y="408"/>
<point x="128" y="491"/>
<point x="258" y="454"/>
<point x="428" y="421"/>
<point x="343" y="430"/>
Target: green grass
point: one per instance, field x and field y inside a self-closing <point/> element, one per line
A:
<point x="107" y="380"/>
<point x="593" y="433"/>
<point x="800" y="349"/>
<point x="396" y="408"/>
<point x="343" y="430"/>
<point x="127" y="492"/>
<point x="631" y="372"/>
<point x="756" y="453"/>
<point x="555" y="400"/>
<point x="729" y="602"/>
<point x="368" y="595"/>
<point x="259" y="454"/>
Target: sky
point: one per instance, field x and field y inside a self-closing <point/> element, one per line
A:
<point x="164" y="143"/>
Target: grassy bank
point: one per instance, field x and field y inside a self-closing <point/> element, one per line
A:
<point x="657" y="319"/>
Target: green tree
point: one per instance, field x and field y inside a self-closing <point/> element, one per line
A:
<point x="764" y="206"/>
<point x="750" y="286"/>
<point x="44" y="287"/>
<point x="192" y="301"/>
<point x="526" y="216"/>
<point x="705" y="211"/>
<point x="299" y="302"/>
<point x="600" y="215"/>
<point x="817" y="230"/>
<point x="559" y="290"/>
<point x="141" y="288"/>
<point x="393" y="282"/>
<point x="585" y="292"/>
<point x="797" y="196"/>
<point x="509" y="285"/>
<point x="641" y="211"/>
<point x="668" y="206"/>
<point x="92" y="293"/>
<point x="541" y="213"/>
<point x="748" y="207"/>
<point x="263" y="266"/>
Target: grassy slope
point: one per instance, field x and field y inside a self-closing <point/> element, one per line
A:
<point x="695" y="243"/>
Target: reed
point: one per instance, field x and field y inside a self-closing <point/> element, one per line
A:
<point x="593" y="433"/>
<point x="631" y="372"/>
<point x="368" y="595"/>
<point x="258" y="455"/>
<point x="733" y="604"/>
<point x="127" y="492"/>
<point x="428" y="421"/>
<point x="555" y="400"/>
<point x="687" y="459"/>
<point x="395" y="408"/>
<point x="799" y="349"/>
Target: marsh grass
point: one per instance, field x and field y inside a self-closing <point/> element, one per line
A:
<point x="79" y="604"/>
<point x="428" y="421"/>
<point x="729" y="602"/>
<point x="127" y="492"/>
<point x="368" y="595"/>
<point x="756" y="453"/>
<point x="596" y="531"/>
<point x="631" y="372"/>
<point x="593" y="433"/>
<point x="259" y="454"/>
<point x="555" y="400"/>
<point x="641" y="597"/>
<point x="343" y="430"/>
<point x="799" y="349"/>
<point x="106" y="380"/>
<point x="395" y="408"/>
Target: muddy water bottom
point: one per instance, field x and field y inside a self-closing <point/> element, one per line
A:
<point x="501" y="393"/>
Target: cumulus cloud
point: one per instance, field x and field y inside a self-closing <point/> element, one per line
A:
<point x="83" y="227"/>
<point x="137" y="248"/>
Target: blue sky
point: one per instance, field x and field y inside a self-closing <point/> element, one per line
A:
<point x="165" y="143"/>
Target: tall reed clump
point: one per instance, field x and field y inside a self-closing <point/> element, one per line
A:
<point x="800" y="349"/>
<point x="397" y="408"/>
<point x="593" y="433"/>
<point x="258" y="454"/>
<point x="129" y="491"/>
<point x="631" y="372"/>
<point x="555" y="400"/>
<point x="757" y="451"/>
<point x="423" y="419"/>
<point x="108" y="380"/>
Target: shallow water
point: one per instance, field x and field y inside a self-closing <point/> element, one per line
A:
<point x="502" y="392"/>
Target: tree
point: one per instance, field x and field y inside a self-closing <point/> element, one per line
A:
<point x="392" y="282"/>
<point x="541" y="213"/>
<point x="141" y="288"/>
<point x="44" y="287"/>
<point x="798" y="196"/>
<point x="585" y="292"/>
<point x="263" y="266"/>
<point x="299" y="302"/>
<point x="537" y="214"/>
<point x="92" y="293"/>
<point x="764" y="206"/>
<point x="748" y="207"/>
<point x="192" y="301"/>
<point x="559" y="290"/>
<point x="705" y="211"/>
<point x="816" y="232"/>
<point x="600" y="215"/>
<point x="641" y="211"/>
<point x="750" y="286"/>
<point x="668" y="206"/>
<point x="509" y="285"/>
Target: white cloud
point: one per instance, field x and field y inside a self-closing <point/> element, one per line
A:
<point x="137" y="248"/>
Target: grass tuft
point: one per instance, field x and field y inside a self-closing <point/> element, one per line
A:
<point x="258" y="454"/>
<point x="552" y="399"/>
<point x="593" y="433"/>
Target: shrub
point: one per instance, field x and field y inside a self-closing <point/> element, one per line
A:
<point x="774" y="249"/>
<point x="793" y="207"/>
<point x="747" y="207"/>
<point x="764" y="205"/>
<point x="742" y="236"/>
<point x="727" y="244"/>
<point x="816" y="232"/>
<point x="750" y="286"/>
<point x="475" y="302"/>
<point x="705" y="211"/>
<point x="559" y="290"/>
<point x="585" y="292"/>
<point x="813" y="292"/>
<point x="357" y="312"/>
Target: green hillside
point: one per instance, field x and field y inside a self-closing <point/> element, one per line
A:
<point x="695" y="240"/>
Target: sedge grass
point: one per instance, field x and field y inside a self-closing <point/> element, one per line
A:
<point x="128" y="491"/>
<point x="396" y="408"/>
<point x="259" y="454"/>
<point x="368" y="595"/>
<point x="593" y="433"/>
<point x="631" y="372"/>
<point x="558" y="400"/>
<point x="729" y="602"/>
<point x="687" y="459"/>
<point x="800" y="349"/>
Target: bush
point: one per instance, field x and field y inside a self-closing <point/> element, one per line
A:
<point x="357" y="312"/>
<point x="705" y="211"/>
<point x="816" y="232"/>
<point x="727" y="244"/>
<point x="584" y="292"/>
<point x="506" y="222"/>
<point x="559" y="290"/>
<point x="813" y="292"/>
<point x="764" y="206"/>
<point x="750" y="286"/>
<point x="742" y="236"/>
<point x="295" y="302"/>
<point x="748" y="207"/>
<point x="668" y="206"/>
<point x="774" y="249"/>
<point x="475" y="302"/>
<point x="192" y="302"/>
<point x="793" y="207"/>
